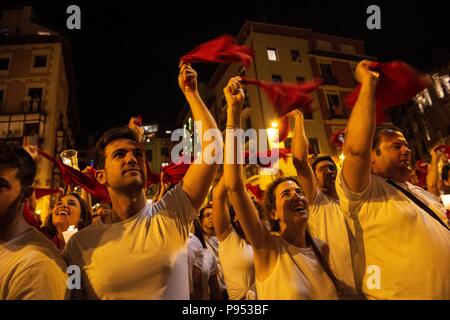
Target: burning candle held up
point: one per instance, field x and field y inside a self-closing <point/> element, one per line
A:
<point x="69" y="233"/>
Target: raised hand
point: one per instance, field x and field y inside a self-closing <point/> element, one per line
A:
<point x="187" y="78"/>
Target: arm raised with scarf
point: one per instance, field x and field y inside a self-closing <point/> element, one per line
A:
<point x="265" y="253"/>
<point x="199" y="177"/>
<point x="360" y="131"/>
<point x="305" y="173"/>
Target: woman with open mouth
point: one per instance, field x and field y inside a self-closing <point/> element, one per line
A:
<point x="289" y="265"/>
<point x="70" y="210"/>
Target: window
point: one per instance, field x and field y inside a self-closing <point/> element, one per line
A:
<point x="272" y="54"/>
<point x="4" y="63"/>
<point x="31" y="129"/>
<point x="313" y="146"/>
<point x="165" y="152"/>
<point x="35" y="103"/>
<point x="327" y="73"/>
<point x="40" y="61"/>
<point x="149" y="155"/>
<point x="2" y="94"/>
<point x="337" y="111"/>
<point x="276" y="78"/>
<point x="295" y="56"/>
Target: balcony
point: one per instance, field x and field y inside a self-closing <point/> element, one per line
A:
<point x="15" y="126"/>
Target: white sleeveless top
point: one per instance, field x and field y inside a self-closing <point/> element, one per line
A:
<point x="297" y="275"/>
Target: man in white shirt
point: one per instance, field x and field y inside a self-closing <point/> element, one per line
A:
<point x="143" y="254"/>
<point x="399" y="251"/>
<point x="326" y="220"/>
<point x="31" y="267"/>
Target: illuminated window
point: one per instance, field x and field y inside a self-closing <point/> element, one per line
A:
<point x="272" y="54"/>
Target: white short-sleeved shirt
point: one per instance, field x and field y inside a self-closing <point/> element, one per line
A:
<point x="205" y="261"/>
<point x="236" y="258"/>
<point x="399" y="251"/>
<point x="143" y="257"/>
<point x="31" y="268"/>
<point x="297" y="275"/>
<point x="327" y="223"/>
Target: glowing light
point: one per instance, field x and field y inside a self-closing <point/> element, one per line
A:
<point x="341" y="157"/>
<point x="274" y="124"/>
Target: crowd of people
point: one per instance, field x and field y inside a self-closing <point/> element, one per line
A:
<point x="363" y="231"/>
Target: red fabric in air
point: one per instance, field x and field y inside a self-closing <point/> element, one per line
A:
<point x="398" y="83"/>
<point x="222" y="49"/>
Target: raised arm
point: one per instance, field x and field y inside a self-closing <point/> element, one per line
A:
<point x="199" y="177"/>
<point x="433" y="172"/>
<point x="221" y="215"/>
<point x="360" y="131"/>
<point x="242" y="203"/>
<point x="305" y="173"/>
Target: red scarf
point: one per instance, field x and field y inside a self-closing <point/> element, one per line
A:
<point x="222" y="49"/>
<point x="398" y="83"/>
<point x="73" y="176"/>
<point x="255" y="190"/>
<point x="286" y="98"/>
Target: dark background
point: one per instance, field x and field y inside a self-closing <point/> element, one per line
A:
<point x="126" y="53"/>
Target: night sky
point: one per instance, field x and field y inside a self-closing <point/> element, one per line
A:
<point x="126" y="54"/>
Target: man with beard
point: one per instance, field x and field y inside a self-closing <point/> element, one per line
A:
<point x="31" y="267"/>
<point x="399" y="240"/>
<point x="142" y="254"/>
<point x="326" y="220"/>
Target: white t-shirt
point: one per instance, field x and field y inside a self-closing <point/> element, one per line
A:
<point x="205" y="261"/>
<point x="31" y="268"/>
<point x="327" y="223"/>
<point x="212" y="243"/>
<point x="236" y="258"/>
<point x="297" y="275"/>
<point x="143" y="257"/>
<point x="399" y="251"/>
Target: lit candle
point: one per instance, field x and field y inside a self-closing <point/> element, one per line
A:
<point x="69" y="233"/>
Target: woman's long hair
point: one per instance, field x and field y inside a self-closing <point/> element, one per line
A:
<point x="343" y="290"/>
<point x="85" y="217"/>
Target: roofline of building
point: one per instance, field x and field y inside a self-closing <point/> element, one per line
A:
<point x="268" y="28"/>
<point x="277" y="29"/>
<point x="21" y="5"/>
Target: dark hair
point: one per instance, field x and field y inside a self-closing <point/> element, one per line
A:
<point x="269" y="200"/>
<point x="320" y="159"/>
<point x="13" y="156"/>
<point x="379" y="131"/>
<point x="108" y="137"/>
<point x="202" y="211"/>
<point x="85" y="216"/>
<point x="445" y="171"/>
<point x="198" y="232"/>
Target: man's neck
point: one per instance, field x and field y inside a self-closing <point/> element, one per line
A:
<point x="14" y="229"/>
<point x="125" y="205"/>
<point x="330" y="192"/>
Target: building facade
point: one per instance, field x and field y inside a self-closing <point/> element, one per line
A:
<point x="37" y="102"/>
<point x="293" y="55"/>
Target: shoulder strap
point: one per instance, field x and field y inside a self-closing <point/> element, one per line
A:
<point x="421" y="205"/>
